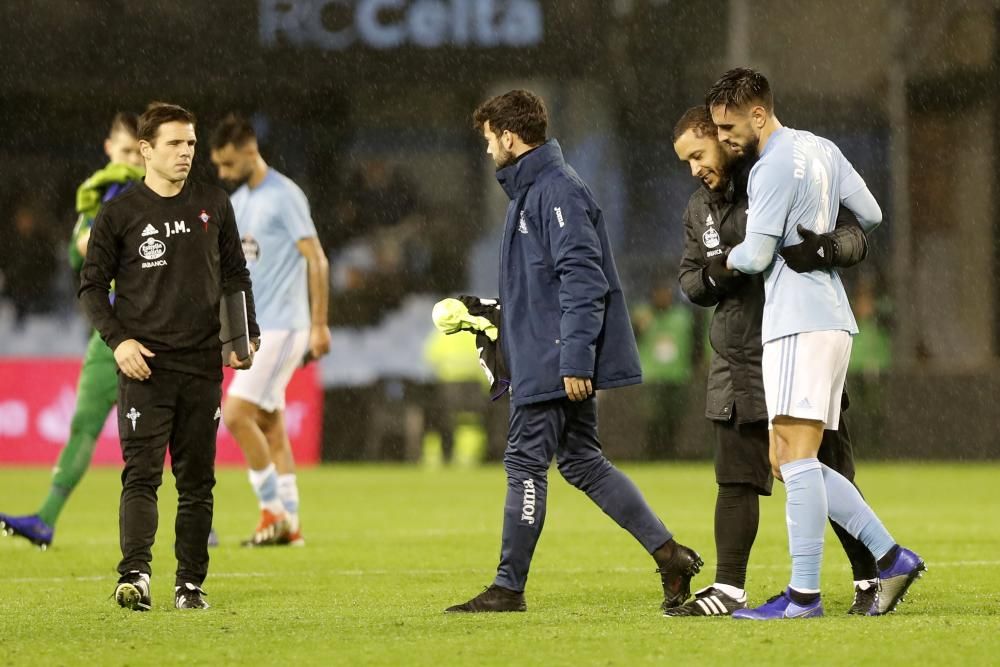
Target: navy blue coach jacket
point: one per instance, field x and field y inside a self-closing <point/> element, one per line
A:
<point x="563" y="310"/>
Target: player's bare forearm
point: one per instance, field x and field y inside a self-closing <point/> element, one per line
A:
<point x="319" y="290"/>
<point x="318" y="272"/>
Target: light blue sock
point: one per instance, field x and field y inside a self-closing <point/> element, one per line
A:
<point x="265" y="485"/>
<point x="805" y="513"/>
<point x="288" y="492"/>
<point x="850" y="510"/>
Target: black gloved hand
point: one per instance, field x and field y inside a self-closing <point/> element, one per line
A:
<point x="718" y="278"/>
<point x="817" y="251"/>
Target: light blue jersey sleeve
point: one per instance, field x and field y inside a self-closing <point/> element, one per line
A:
<point x="856" y="196"/>
<point x="754" y="254"/>
<point x="771" y="196"/>
<point x="298" y="218"/>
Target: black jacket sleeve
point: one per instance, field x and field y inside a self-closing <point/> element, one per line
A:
<point x="692" y="266"/>
<point x="850" y="245"/>
<point x="235" y="276"/>
<point x="99" y="269"/>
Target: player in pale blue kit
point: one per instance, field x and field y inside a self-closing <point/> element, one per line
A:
<point x="291" y="290"/>
<point x="798" y="184"/>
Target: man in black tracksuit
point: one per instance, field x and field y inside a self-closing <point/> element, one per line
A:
<point x="715" y="221"/>
<point x="172" y="248"/>
<point x="565" y="333"/>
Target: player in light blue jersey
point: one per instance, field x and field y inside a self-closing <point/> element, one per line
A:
<point x="795" y="188"/>
<point x="291" y="290"/>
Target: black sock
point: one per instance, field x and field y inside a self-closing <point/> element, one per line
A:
<point x="737" y="514"/>
<point x="886" y="560"/>
<point x="802" y="599"/>
<point x="863" y="564"/>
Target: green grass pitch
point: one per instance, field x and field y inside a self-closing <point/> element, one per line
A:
<point x="389" y="547"/>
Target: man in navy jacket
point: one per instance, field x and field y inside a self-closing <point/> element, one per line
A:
<point x="565" y="332"/>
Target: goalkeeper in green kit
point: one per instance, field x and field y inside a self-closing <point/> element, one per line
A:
<point x="97" y="388"/>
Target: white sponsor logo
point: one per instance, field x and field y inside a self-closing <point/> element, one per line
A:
<point x="133" y="416"/>
<point x="295" y="416"/>
<point x="13" y="419"/>
<point x="152" y="248"/>
<point x="218" y="414"/>
<point x="54" y="420"/>
<point x="528" y="502"/>
<point x="713" y="253"/>
<point x="804" y="404"/>
<point x="149" y="230"/>
<point x="522" y="226"/>
<point x="159" y="262"/>
<point x="336" y="25"/>
<point x="710" y="238"/>
<point x="559" y="217"/>
<point x="709" y="221"/>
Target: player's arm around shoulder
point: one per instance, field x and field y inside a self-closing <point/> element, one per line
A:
<point x="848" y="240"/>
<point x="772" y="190"/>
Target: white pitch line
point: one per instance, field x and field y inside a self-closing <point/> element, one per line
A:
<point x="446" y="572"/>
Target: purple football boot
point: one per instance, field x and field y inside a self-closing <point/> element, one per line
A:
<point x="30" y="527"/>
<point x="895" y="580"/>
<point x="780" y="606"/>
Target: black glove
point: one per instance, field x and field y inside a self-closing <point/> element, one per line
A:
<point x="816" y="252"/>
<point x="718" y="278"/>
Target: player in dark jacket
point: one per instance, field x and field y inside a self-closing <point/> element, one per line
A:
<point x="714" y="222"/>
<point x="173" y="250"/>
<point x="565" y="332"/>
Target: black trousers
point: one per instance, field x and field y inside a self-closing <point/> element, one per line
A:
<point x="180" y="412"/>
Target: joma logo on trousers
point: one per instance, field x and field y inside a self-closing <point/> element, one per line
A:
<point x="528" y="502"/>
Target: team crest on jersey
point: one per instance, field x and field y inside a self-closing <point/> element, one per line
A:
<point x="204" y="217"/>
<point x="251" y="249"/>
<point x="152" y="249"/>
<point x="710" y="238"/>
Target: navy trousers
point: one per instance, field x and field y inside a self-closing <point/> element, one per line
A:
<point x="566" y="430"/>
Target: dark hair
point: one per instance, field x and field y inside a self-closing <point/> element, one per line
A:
<point x="234" y="129"/>
<point x="125" y="121"/>
<point x="518" y="111"/>
<point x="697" y="119"/>
<point x="740" y="87"/>
<point x="158" y="113"/>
